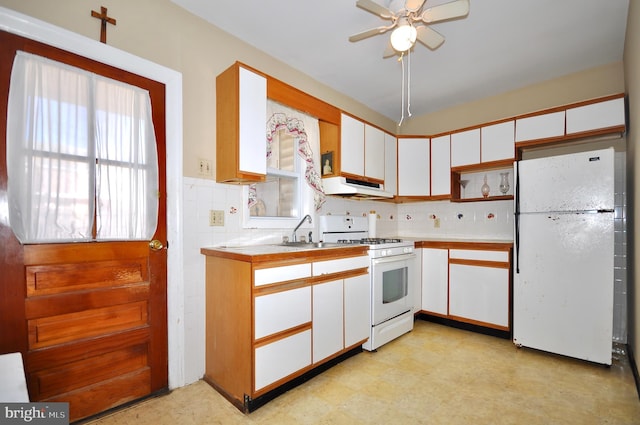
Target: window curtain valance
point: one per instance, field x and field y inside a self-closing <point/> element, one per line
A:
<point x="306" y="130"/>
<point x="81" y="155"/>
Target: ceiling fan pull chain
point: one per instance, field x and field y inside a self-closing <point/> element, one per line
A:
<point x="401" y="59"/>
<point x="409" y="83"/>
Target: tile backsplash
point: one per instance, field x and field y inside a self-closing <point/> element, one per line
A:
<point x="440" y="219"/>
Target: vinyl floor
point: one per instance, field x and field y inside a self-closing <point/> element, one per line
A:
<point x="432" y="375"/>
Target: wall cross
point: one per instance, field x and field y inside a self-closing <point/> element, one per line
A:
<point x="105" y="19"/>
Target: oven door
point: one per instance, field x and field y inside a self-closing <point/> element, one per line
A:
<point x="390" y="281"/>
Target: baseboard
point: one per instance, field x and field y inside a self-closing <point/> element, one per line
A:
<point x="634" y="368"/>
<point x="463" y="325"/>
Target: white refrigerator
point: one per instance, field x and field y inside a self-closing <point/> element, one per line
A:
<point x="563" y="271"/>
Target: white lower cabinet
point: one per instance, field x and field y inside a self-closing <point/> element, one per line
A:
<point x="357" y="309"/>
<point x="479" y="293"/>
<point x="415" y="283"/>
<point x="435" y="280"/>
<point x="282" y="358"/>
<point x="273" y="319"/>
<point x="328" y="319"/>
<point x="467" y="285"/>
<point x="341" y="311"/>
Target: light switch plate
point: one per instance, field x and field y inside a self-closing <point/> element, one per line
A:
<point x="216" y="218"/>
<point x="204" y="167"/>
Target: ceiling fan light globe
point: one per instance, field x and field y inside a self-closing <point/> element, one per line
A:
<point x="403" y="38"/>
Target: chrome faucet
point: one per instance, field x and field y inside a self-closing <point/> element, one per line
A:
<point x="294" y="238"/>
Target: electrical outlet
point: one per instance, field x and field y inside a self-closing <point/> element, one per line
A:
<point x="204" y="167"/>
<point x="216" y="218"/>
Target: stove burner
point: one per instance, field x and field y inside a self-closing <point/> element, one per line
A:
<point x="376" y="241"/>
<point x="350" y="241"/>
<point x="369" y="241"/>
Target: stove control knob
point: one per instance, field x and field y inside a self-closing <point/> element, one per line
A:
<point x="383" y="253"/>
<point x="408" y="250"/>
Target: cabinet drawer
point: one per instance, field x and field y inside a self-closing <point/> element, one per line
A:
<point x="472" y="254"/>
<point x="282" y="358"/>
<point x="281" y="274"/>
<point x="340" y="265"/>
<point x="281" y="310"/>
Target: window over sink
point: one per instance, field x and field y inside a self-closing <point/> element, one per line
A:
<point x="292" y="186"/>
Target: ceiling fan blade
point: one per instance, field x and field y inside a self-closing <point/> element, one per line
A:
<point x="375" y="8"/>
<point x="368" y="33"/>
<point x="454" y="9"/>
<point x="429" y="37"/>
<point x="414" y="5"/>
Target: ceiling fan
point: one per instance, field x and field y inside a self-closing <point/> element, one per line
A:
<point x="410" y="23"/>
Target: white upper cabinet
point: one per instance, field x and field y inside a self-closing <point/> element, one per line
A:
<point x="465" y="148"/>
<point x="414" y="167"/>
<point x="595" y="116"/>
<point x="253" y="110"/>
<point x="440" y="165"/>
<point x="361" y="149"/>
<point x="352" y="145"/>
<point x="241" y="114"/>
<point x="540" y="126"/>
<point x="497" y="142"/>
<point x="373" y="152"/>
<point x="390" y="164"/>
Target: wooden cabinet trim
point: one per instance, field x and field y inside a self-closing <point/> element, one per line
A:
<point x="481" y="246"/>
<point x="273" y="288"/>
<point x="478" y="323"/>
<point x="286" y="257"/>
<point x="480" y="263"/>
<point x="281" y="335"/>
<point x="341" y="275"/>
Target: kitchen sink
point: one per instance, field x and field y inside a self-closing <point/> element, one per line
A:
<point x="311" y="245"/>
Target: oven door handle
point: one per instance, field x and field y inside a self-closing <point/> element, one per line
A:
<point x="392" y="259"/>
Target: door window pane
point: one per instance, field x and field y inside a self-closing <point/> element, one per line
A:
<point x="74" y="137"/>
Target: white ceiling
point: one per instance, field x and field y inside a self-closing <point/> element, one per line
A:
<point x="500" y="46"/>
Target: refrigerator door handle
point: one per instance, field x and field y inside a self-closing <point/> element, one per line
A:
<point x="517" y="216"/>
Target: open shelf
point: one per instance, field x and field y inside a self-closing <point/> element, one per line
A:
<point x="473" y="174"/>
<point x="489" y="198"/>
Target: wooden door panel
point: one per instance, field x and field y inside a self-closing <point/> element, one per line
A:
<point x="88" y="371"/>
<point x="48" y="331"/>
<point x="88" y="401"/>
<point x="55" y="279"/>
<point x="47" y="306"/>
<point x="56" y="357"/>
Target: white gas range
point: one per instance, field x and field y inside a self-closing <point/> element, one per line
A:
<point x="392" y="268"/>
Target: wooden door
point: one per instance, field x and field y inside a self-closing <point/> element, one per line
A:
<point x="89" y="318"/>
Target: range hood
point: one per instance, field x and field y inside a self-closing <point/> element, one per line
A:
<point x="355" y="188"/>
